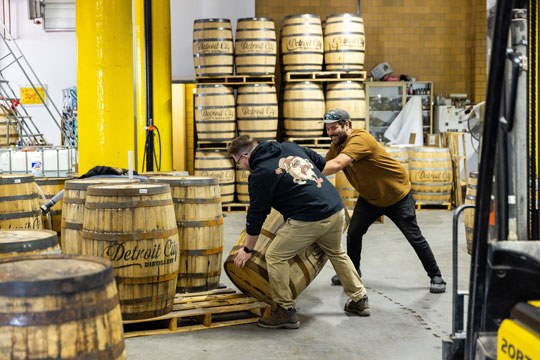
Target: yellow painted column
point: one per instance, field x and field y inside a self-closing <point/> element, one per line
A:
<point x="161" y="51"/>
<point x="179" y="127"/>
<point x="138" y="28"/>
<point x="161" y="73"/>
<point x="190" y="127"/>
<point x="104" y="83"/>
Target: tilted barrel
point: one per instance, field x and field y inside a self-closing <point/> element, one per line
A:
<point x="253" y="278"/>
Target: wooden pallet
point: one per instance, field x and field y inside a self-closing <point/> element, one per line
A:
<point x="209" y="145"/>
<point x="325" y="76"/>
<point x="235" y="207"/>
<point x="443" y="206"/>
<point x="315" y="142"/>
<point x="198" y="311"/>
<point x="236" y="79"/>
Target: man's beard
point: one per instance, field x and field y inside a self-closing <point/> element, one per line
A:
<point x="340" y="139"/>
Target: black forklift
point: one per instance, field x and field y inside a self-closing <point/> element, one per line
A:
<point x="503" y="312"/>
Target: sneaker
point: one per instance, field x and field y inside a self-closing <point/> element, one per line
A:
<point x="437" y="285"/>
<point x="360" y="307"/>
<point x="280" y="318"/>
<point x="335" y="279"/>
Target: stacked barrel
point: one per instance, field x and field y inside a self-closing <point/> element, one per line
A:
<point x="223" y="112"/>
<point x="306" y="47"/>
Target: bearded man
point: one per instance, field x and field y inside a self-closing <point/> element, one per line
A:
<point x="384" y="188"/>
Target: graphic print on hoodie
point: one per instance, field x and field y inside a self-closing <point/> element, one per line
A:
<point x="300" y="169"/>
<point x="288" y="178"/>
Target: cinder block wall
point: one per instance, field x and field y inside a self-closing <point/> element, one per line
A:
<point x="431" y="40"/>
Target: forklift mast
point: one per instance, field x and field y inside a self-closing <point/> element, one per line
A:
<point x="504" y="275"/>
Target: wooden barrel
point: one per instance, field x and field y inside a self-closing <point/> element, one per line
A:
<point x="430" y="170"/>
<point x="199" y="218"/>
<point x="344" y="43"/>
<point x="7" y="138"/>
<point x="303" y="109"/>
<point x="349" y="96"/>
<point x="219" y="165"/>
<point x="28" y="242"/>
<point x="19" y="204"/>
<point x="255" y="46"/>
<point x="133" y="225"/>
<point x="213" y="52"/>
<point x="347" y="192"/>
<point x="51" y="187"/>
<point x="164" y="173"/>
<point x="257" y="111"/>
<point x="73" y="210"/>
<point x="400" y="154"/>
<point x="253" y="278"/>
<point x="470" y="198"/>
<point x="302" y="43"/>
<point x="59" y="307"/>
<point x="242" y="192"/>
<point x="215" y="114"/>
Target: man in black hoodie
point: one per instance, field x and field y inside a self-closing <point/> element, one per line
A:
<point x="288" y="178"/>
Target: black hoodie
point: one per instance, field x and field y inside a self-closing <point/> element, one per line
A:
<point x="288" y="178"/>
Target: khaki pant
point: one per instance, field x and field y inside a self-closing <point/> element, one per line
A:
<point x="296" y="235"/>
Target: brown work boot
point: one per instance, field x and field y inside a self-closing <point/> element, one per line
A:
<point x="280" y="318"/>
<point x="360" y="307"/>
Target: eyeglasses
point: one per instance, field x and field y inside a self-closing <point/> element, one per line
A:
<point x="237" y="162"/>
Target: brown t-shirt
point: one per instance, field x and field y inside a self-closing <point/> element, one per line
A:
<point x="378" y="178"/>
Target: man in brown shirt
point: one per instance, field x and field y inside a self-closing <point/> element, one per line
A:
<point x="384" y="188"/>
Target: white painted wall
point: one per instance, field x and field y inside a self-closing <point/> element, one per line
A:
<point x="53" y="55"/>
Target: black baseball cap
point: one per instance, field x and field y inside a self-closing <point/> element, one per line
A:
<point x="336" y="115"/>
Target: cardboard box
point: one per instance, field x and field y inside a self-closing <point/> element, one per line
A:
<point x="432" y="140"/>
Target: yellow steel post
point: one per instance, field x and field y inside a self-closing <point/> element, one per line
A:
<point x="104" y="83"/>
<point x="140" y="131"/>
<point x="161" y="57"/>
<point x="161" y="73"/>
<point x="179" y="127"/>
<point x="190" y="127"/>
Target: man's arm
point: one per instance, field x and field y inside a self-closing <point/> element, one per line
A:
<point x="337" y="164"/>
<point x="317" y="159"/>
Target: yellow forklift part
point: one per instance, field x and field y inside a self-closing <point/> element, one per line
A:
<point x="517" y="342"/>
<point x="519" y="336"/>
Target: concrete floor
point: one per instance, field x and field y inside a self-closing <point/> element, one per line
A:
<point x="406" y="322"/>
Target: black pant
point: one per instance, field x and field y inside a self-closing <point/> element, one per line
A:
<point x="403" y="214"/>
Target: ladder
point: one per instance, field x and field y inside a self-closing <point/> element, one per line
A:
<point x="12" y="108"/>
